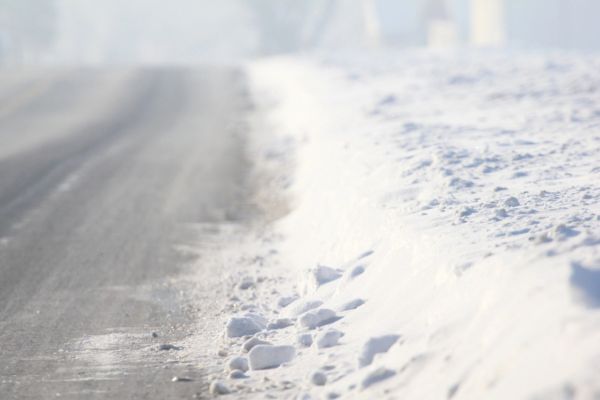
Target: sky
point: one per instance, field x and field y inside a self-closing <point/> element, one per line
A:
<point x="154" y="31"/>
<point x="225" y="31"/>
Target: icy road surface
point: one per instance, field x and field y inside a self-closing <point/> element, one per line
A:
<point x="105" y="178"/>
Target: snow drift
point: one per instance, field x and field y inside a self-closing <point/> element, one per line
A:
<point x="453" y="199"/>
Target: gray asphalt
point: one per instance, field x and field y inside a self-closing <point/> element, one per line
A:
<point x="102" y="174"/>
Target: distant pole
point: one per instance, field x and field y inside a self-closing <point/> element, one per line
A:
<point x="371" y="23"/>
<point x="487" y="23"/>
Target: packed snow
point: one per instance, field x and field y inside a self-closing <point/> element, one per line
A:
<point x="443" y="235"/>
<point x="244" y="326"/>
<point x="329" y="338"/>
<point x="374" y="346"/>
<point x="318" y="378"/>
<point x="268" y="356"/>
<point x="238" y="363"/>
<point x="317" y="318"/>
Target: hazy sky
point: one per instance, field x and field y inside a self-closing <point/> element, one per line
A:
<point x="154" y="31"/>
<point x="192" y="31"/>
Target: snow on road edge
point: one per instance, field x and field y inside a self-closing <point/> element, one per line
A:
<point x="438" y="250"/>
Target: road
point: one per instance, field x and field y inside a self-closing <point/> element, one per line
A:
<point x="102" y="174"/>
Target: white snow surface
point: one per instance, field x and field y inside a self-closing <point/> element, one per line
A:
<point x="458" y="196"/>
<point x="268" y="356"/>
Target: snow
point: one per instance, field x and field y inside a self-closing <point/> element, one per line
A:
<point x="359" y="269"/>
<point x="238" y="363"/>
<point x="352" y="304"/>
<point x="586" y="282"/>
<point x="280" y="323"/>
<point x="318" y="378"/>
<point x="455" y="194"/>
<point x="250" y="343"/>
<point x="376" y="345"/>
<point x="218" y="388"/>
<point x="266" y="356"/>
<point x="305" y="339"/>
<point x="237" y="374"/>
<point x="243" y="326"/>
<point x="321" y="275"/>
<point x="378" y="375"/>
<point x="317" y="318"/>
<point x="328" y="338"/>
<point x="246" y="283"/>
<point x="286" y="301"/>
<point x="303" y="306"/>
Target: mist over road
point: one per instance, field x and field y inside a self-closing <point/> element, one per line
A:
<point x="101" y="174"/>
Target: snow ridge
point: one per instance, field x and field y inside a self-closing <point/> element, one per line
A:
<point x="445" y="229"/>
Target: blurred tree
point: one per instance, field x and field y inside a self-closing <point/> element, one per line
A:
<point x="27" y="28"/>
<point x="281" y="23"/>
<point x="292" y="25"/>
<point x="436" y="10"/>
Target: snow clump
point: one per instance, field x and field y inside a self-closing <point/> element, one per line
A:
<point x="265" y="356"/>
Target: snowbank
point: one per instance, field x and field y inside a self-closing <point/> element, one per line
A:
<point x="455" y="200"/>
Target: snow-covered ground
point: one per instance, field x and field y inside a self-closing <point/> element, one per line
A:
<point x="443" y="234"/>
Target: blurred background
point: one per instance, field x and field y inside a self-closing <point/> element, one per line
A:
<point x="93" y="32"/>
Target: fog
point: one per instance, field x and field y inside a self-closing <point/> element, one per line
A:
<point x="201" y="31"/>
<point x="150" y="31"/>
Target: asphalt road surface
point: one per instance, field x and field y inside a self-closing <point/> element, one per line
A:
<point x="102" y="174"/>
